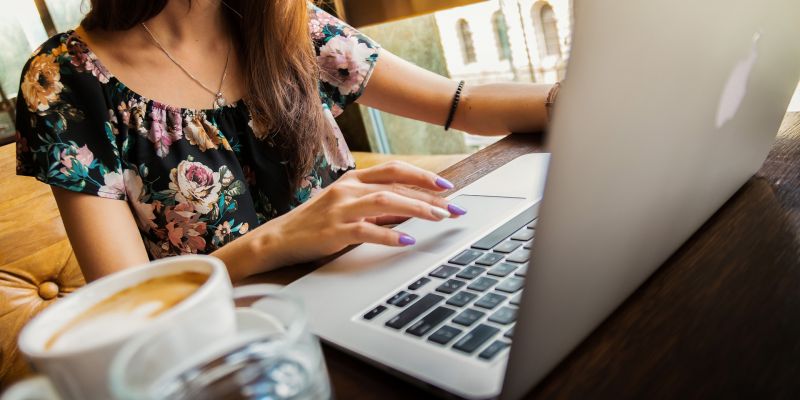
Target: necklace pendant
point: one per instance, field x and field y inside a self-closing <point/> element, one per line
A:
<point x="219" y="101"/>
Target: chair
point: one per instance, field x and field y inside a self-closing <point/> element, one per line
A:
<point x="37" y="265"/>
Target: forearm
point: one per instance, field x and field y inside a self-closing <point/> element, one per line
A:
<point x="500" y="108"/>
<point x="252" y="253"/>
<point x="404" y="89"/>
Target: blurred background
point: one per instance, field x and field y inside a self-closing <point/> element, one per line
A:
<point x="479" y="41"/>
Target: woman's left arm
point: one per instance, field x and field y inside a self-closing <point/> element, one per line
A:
<point x="400" y="87"/>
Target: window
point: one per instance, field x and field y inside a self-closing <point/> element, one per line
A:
<point x="549" y="42"/>
<point x="467" y="46"/>
<point x="22" y="28"/>
<point x="67" y="14"/>
<point x="22" y="31"/>
<point x="501" y="35"/>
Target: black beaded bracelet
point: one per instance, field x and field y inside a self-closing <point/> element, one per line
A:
<point x="454" y="106"/>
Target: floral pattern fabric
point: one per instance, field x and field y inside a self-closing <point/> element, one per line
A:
<point x="193" y="179"/>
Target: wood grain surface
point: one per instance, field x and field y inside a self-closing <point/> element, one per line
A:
<point x="720" y="319"/>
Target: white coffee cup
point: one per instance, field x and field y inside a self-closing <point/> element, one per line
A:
<point x="207" y="315"/>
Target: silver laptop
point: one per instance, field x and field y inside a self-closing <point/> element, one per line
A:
<point x="668" y="108"/>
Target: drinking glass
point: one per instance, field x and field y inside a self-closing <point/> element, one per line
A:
<point x="272" y="356"/>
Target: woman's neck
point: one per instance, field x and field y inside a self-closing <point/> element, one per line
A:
<point x="187" y="22"/>
<point x="198" y="37"/>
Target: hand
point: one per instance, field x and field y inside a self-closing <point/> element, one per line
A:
<point x="351" y="210"/>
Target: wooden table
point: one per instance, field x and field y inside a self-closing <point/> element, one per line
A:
<point x="720" y="318"/>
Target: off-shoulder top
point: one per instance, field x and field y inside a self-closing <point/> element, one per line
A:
<point x="193" y="179"/>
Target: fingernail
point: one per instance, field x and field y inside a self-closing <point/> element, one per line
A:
<point x="406" y="240"/>
<point x="440" y="212"/>
<point x="456" y="209"/>
<point x="444" y="183"/>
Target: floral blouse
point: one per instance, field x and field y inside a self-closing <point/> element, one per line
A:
<point x="194" y="179"/>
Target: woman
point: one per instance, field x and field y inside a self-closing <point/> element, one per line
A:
<point x="239" y="157"/>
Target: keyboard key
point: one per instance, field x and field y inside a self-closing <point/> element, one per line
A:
<point x="406" y="299"/>
<point x="467" y="256"/>
<point x="490" y="300"/>
<point x="522" y="271"/>
<point x="489" y="259"/>
<point x="397" y="297"/>
<point x="419" y="283"/>
<point x="475" y="338"/>
<point x="482" y="283"/>
<point x="415" y="310"/>
<point x="532" y="225"/>
<point x="470" y="272"/>
<point x="490" y="351"/>
<point x="444" y="271"/>
<point x="528" y="245"/>
<point x="502" y="269"/>
<point x="507" y="246"/>
<point x="468" y="317"/>
<point x="450" y="286"/>
<point x="519" y="256"/>
<point x="430" y="321"/>
<point x="523" y="235"/>
<point x="504" y="316"/>
<point x="444" y="335"/>
<point x="374" y="312"/>
<point x="402" y="299"/>
<point x="461" y="298"/>
<point x="506" y="230"/>
<point x="509" y="333"/>
<point x="511" y="285"/>
<point x="516" y="299"/>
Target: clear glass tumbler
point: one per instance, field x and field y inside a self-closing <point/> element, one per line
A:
<point x="272" y="356"/>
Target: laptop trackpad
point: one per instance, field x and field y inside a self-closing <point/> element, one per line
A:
<point x="434" y="240"/>
<point x="482" y="211"/>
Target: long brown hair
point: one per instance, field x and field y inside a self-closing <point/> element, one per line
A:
<point x="278" y="67"/>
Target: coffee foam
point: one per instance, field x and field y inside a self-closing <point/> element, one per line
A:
<point x="125" y="311"/>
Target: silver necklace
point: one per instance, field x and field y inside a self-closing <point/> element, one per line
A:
<point x="219" y="100"/>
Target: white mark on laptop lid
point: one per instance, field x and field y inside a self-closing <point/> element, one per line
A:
<point x="736" y="85"/>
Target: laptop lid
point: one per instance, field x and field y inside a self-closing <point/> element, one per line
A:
<point x="668" y="108"/>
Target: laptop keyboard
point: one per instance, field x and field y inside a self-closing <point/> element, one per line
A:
<point x="470" y="303"/>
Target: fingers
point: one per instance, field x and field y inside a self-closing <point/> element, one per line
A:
<point x="429" y="198"/>
<point x="365" y="232"/>
<point x="404" y="173"/>
<point x="360" y="189"/>
<point x="387" y="220"/>
<point x="383" y="203"/>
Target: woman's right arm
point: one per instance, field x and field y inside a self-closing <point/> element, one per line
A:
<point x="105" y="237"/>
<point x="102" y="232"/>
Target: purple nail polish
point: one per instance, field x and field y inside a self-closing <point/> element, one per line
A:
<point x="406" y="240"/>
<point x="444" y="183"/>
<point x="454" y="209"/>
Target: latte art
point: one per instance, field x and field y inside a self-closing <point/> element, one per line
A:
<point x="126" y="310"/>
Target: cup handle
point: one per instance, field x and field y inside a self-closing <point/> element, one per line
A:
<point x="257" y="289"/>
<point x="246" y="295"/>
<point x="37" y="387"/>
